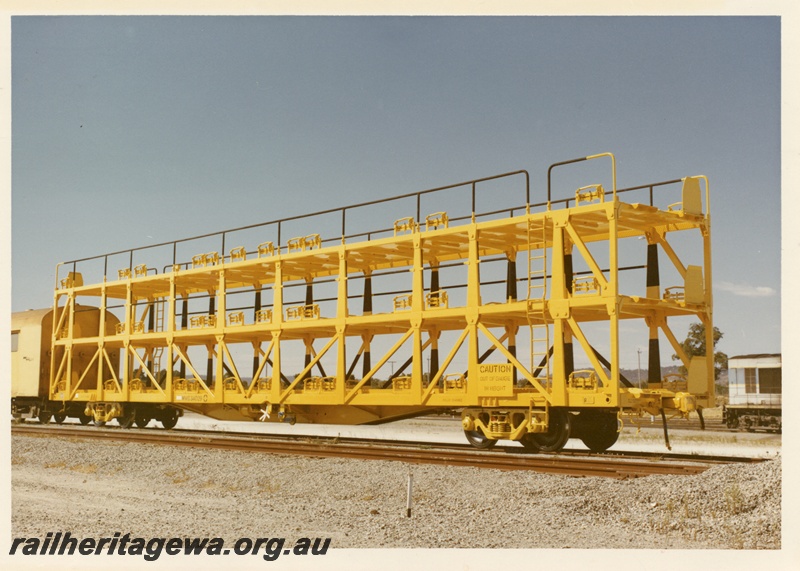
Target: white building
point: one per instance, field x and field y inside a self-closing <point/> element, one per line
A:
<point x="754" y="380"/>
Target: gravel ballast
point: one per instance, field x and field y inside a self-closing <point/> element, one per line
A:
<point x="95" y="489"/>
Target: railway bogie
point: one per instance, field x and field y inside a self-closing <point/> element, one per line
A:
<point x="309" y="329"/>
<point x="542" y="430"/>
<point x="752" y="418"/>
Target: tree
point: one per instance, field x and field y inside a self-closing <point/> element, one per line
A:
<point x="695" y="346"/>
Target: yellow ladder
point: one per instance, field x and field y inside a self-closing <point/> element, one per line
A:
<point x="538" y="323"/>
<point x="160" y="308"/>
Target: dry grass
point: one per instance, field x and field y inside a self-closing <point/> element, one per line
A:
<point x="178" y="476"/>
<point x="80" y="468"/>
<point x="734" y="499"/>
<point x="55" y="465"/>
<point x="84" y="468"/>
<point x="269" y="488"/>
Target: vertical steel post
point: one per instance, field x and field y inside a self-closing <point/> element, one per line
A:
<point x="613" y="295"/>
<point x="277" y="316"/>
<point x="435" y="289"/>
<point x="472" y="312"/>
<point x="433" y="367"/>
<point x="101" y="333"/>
<point x="210" y="361"/>
<point x="473" y="202"/>
<point x="511" y="278"/>
<point x="308" y="340"/>
<point x="367" y="310"/>
<point x="341" y="328"/>
<point x="151" y="320"/>
<point x="705" y="230"/>
<point x="417" y="310"/>
<point x="559" y="293"/>
<point x="170" y="336"/>
<point x="221" y="323"/>
<point x="511" y="296"/>
<point x="256" y="347"/>
<point x="653" y="291"/>
<point x="569" y="353"/>
<point x="184" y="327"/>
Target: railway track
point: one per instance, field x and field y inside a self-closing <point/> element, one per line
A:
<point x="618" y="465"/>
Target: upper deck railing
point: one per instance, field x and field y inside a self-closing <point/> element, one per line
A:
<point x="346" y="214"/>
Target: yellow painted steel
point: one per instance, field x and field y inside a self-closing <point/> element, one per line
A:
<point x="157" y="343"/>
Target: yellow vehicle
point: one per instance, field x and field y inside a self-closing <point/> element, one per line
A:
<point x="274" y="329"/>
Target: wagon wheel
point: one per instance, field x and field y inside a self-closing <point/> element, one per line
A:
<point x="598" y="430"/>
<point x="169" y="418"/>
<point x="60" y="416"/>
<point x="557" y="433"/>
<point x="99" y="423"/>
<point x="529" y="443"/>
<point x="478" y="440"/>
<point x="142" y="419"/>
<point x="84" y="418"/>
<point x="44" y="416"/>
<point x="127" y="418"/>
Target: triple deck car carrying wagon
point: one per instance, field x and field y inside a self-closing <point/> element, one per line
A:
<point x="222" y="333"/>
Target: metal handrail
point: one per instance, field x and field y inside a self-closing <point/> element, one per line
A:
<point x="472" y="184"/>
<point x="589" y="158"/>
<point x="279" y="222"/>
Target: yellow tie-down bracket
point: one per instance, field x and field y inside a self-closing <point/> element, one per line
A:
<point x="404" y="225"/>
<point x="236" y="318"/>
<point x="590" y="193"/>
<point x="266" y="249"/>
<point x="302" y="312"/>
<point x="402" y="302"/>
<point x="304" y="243"/>
<point x="264" y="316"/>
<point x="582" y="380"/>
<point x="238" y="254"/>
<point x="436" y="220"/>
<point x="585" y="284"/>
<point x="207" y="259"/>
<point x="436" y="299"/>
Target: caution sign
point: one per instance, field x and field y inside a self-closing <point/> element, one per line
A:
<point x="496" y="379"/>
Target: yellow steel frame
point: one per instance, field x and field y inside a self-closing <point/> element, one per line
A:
<point x="340" y="398"/>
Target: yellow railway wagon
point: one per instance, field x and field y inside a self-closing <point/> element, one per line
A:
<point x="222" y="332"/>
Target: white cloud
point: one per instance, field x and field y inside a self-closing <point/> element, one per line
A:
<point x="745" y="290"/>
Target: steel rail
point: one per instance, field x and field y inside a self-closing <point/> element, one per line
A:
<point x="597" y="465"/>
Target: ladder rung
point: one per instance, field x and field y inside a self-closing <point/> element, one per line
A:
<point x="537" y="292"/>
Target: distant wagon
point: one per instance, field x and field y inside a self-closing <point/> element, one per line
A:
<point x="31" y="355"/>
<point x="754" y="393"/>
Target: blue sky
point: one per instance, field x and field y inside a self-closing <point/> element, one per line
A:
<point x="128" y="131"/>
